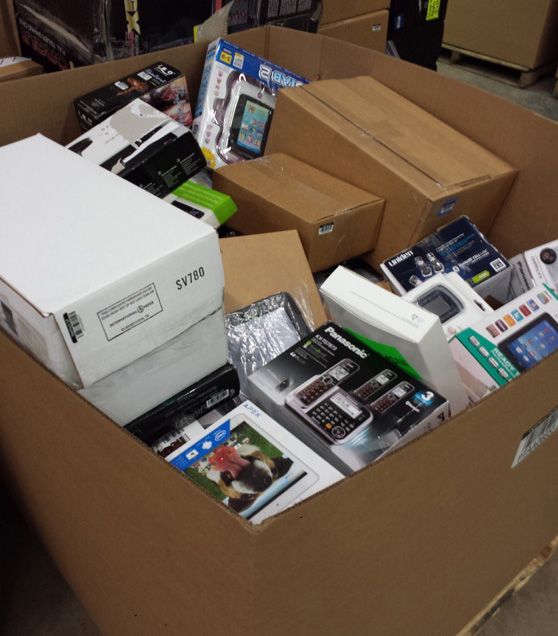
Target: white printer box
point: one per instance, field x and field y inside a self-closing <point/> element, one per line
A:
<point x="142" y="385"/>
<point x="251" y="464"/>
<point x="411" y="337"/>
<point x="94" y="272"/>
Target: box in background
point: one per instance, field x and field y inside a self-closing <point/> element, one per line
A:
<point x="509" y="341"/>
<point x="335" y="220"/>
<point x="457" y="247"/>
<point x="203" y="203"/>
<point x="363" y="132"/>
<point x="106" y="296"/>
<point x="252" y="465"/>
<point x="416" y="30"/>
<point x="369" y="30"/>
<point x="513" y="31"/>
<point x="144" y="146"/>
<point x="337" y="10"/>
<point x="61" y="35"/>
<point x="260" y="265"/>
<point x="248" y="14"/>
<point x="236" y="102"/>
<point x="410" y="337"/>
<point x="344" y="400"/>
<point x="160" y="85"/>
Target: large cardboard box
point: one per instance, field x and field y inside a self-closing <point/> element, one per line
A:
<point x="337" y="10"/>
<point x="369" y="30"/>
<point x="519" y="32"/>
<point x="434" y="530"/>
<point x="367" y="134"/>
<point x="335" y="220"/>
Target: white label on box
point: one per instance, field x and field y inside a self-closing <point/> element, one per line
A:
<point x="130" y="311"/>
<point x="325" y="229"/>
<point x="535" y="436"/>
<point x="376" y="28"/>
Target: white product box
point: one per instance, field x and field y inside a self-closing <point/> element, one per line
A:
<point x="137" y="388"/>
<point x="538" y="266"/>
<point x="449" y="297"/>
<point x="512" y="339"/>
<point x="411" y="337"/>
<point x="251" y="464"/>
<point x="144" y="146"/>
<point x="95" y="273"/>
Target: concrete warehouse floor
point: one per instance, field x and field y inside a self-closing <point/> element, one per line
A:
<point x="36" y="601"/>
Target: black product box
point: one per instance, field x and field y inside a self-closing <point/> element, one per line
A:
<point x="59" y="34"/>
<point x="416" y="30"/>
<point x="198" y="399"/>
<point x="345" y="401"/>
<point x="144" y="146"/>
<point x="160" y="85"/>
<point x="456" y="247"/>
<point x="302" y="15"/>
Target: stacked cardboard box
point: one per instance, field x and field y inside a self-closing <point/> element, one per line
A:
<point x="511" y="31"/>
<point x="364" y="22"/>
<point x="123" y="525"/>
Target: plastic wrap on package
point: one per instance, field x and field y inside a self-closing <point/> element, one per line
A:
<point x="260" y="332"/>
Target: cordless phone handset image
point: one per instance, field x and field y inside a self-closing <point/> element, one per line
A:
<point x="392" y="397"/>
<point x="372" y="386"/>
<point x="307" y="394"/>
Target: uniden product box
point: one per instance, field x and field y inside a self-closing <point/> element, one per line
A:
<point x="347" y="402"/>
<point x="236" y="103"/>
<point x="161" y="85"/>
<point x="367" y="134"/>
<point x="335" y="220"/>
<point x="84" y="294"/>
<point x="509" y="341"/>
<point x="409" y="336"/>
<point x="144" y="146"/>
<point x="106" y="496"/>
<point x="251" y="464"/>
<point x="456" y="247"/>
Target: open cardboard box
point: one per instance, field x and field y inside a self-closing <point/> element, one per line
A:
<point x="415" y="544"/>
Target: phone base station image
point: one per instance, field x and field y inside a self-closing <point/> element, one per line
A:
<point x="345" y="401"/>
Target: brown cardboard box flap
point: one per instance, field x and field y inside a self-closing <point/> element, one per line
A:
<point x="264" y="264"/>
<point x="421" y="147"/>
<point x="295" y="186"/>
<point x="336" y="10"/>
<point x="17" y="70"/>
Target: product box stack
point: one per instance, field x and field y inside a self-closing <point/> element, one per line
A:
<point x="304" y="328"/>
<point x="364" y="22"/>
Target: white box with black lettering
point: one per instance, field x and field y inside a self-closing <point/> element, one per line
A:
<point x="94" y="272"/>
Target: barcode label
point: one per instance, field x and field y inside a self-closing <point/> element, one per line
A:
<point x="144" y="76"/>
<point x="536" y="436"/>
<point x="325" y="229"/>
<point x="498" y="265"/>
<point x="74" y="325"/>
<point x="218" y="397"/>
<point x="166" y="445"/>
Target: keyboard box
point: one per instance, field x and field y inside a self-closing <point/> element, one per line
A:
<point x="345" y="401"/>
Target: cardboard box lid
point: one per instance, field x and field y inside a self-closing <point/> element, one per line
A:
<point x="296" y="187"/>
<point x="431" y="155"/>
<point x="17" y="67"/>
<point x="260" y="265"/>
<point x="77" y="238"/>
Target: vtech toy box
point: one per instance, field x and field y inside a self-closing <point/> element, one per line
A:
<point x="236" y="103"/>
